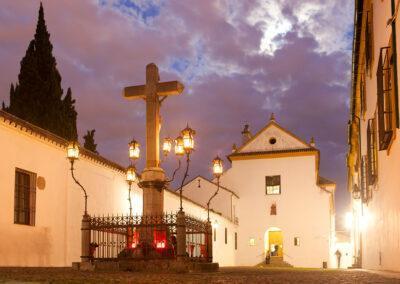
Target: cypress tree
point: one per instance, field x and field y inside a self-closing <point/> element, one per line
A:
<point x="89" y="141"/>
<point x="38" y="96"/>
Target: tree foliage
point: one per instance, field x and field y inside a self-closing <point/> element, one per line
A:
<point x="89" y="141"/>
<point x="38" y="96"/>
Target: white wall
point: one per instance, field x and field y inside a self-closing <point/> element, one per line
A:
<point x="222" y="203"/>
<point x="55" y="238"/>
<point x="303" y="209"/>
<point x="381" y="230"/>
<point x="224" y="254"/>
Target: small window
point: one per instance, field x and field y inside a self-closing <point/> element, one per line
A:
<point x="297" y="241"/>
<point x="273" y="209"/>
<point x="24" y="197"/>
<point x="226" y="235"/>
<point x="215" y="234"/>
<point x="272" y="140"/>
<point x="252" y="242"/>
<point x="235" y="240"/>
<point x="273" y="185"/>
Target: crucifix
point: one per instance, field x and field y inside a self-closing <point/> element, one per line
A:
<point x="154" y="93"/>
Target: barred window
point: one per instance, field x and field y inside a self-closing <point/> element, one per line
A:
<point x="24" y="197"/>
<point x="365" y="192"/>
<point x="385" y="95"/>
<point x="273" y="185"/>
<point x="372" y="154"/>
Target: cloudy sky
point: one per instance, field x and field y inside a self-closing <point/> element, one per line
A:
<point x="239" y="61"/>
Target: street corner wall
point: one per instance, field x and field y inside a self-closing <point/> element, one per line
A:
<point x="223" y="252"/>
<point x="54" y="240"/>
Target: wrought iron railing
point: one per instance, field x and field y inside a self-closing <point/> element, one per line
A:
<point x="145" y="237"/>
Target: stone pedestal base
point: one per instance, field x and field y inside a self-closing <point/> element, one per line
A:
<point x="153" y="183"/>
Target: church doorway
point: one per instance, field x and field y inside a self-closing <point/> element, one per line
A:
<point x="274" y="242"/>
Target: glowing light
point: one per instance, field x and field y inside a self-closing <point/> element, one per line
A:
<point x="131" y="174"/>
<point x="167" y="146"/>
<point x="217" y="167"/>
<point x="348" y="220"/>
<point x="188" y="141"/>
<point x="215" y="224"/>
<point x="179" y="150"/>
<point x="73" y="150"/>
<point x="366" y="219"/>
<point x="134" y="150"/>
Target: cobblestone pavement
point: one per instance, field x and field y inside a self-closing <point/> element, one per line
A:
<point x="225" y="275"/>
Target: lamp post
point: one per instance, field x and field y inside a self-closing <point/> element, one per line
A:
<point x="73" y="155"/>
<point x="130" y="178"/>
<point x="185" y="145"/>
<point x="217" y="171"/>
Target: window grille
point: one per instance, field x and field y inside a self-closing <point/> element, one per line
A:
<point x="385" y="97"/>
<point x="24" y="197"/>
<point x="371" y="152"/>
<point x="364" y="180"/>
<point x="273" y="185"/>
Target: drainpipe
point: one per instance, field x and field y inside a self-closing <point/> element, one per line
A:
<point x="394" y="43"/>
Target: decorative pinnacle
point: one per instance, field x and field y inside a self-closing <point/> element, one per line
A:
<point x="272" y="117"/>
<point x="312" y="142"/>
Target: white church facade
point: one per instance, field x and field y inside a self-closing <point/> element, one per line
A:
<point x="273" y="191"/>
<point x="272" y="201"/>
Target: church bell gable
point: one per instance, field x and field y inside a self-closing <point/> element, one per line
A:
<point x="273" y="137"/>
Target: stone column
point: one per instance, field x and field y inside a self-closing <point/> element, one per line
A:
<point x="85" y="236"/>
<point x="181" y="235"/>
<point x="209" y="242"/>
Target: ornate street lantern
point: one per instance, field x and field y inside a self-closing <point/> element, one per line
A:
<point x="179" y="149"/>
<point x="131" y="174"/>
<point x="73" y="155"/>
<point x="167" y="146"/>
<point x="73" y="151"/>
<point x="217" y="167"/>
<point x="188" y="141"/>
<point x="134" y="150"/>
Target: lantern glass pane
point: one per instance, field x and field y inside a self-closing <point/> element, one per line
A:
<point x="73" y="151"/>
<point x="130" y="175"/>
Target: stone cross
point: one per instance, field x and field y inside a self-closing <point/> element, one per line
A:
<point x="153" y="177"/>
<point x="154" y="93"/>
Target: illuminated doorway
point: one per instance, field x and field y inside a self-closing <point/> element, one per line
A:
<point x="274" y="242"/>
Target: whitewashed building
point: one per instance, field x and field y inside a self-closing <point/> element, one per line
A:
<point x="274" y="192"/>
<point x="374" y="146"/>
<point x="271" y="197"/>
<point x="41" y="207"/>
